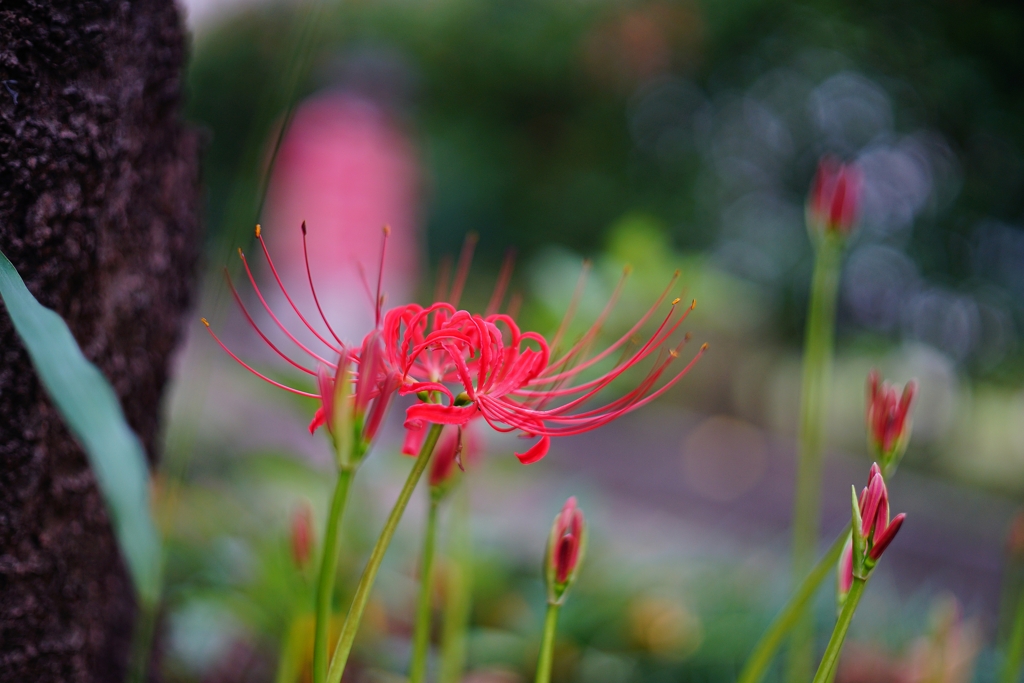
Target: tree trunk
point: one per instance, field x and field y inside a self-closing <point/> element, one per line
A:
<point x="99" y="212"/>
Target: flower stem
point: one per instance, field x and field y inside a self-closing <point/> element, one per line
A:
<point x="1014" y="646"/>
<point x="142" y="642"/>
<point x="763" y="653"/>
<point x="362" y="595"/>
<point x="835" y="643"/>
<point x="421" y="634"/>
<point x="328" y="570"/>
<point x="817" y="375"/>
<point x="547" y="644"/>
<point x="458" y="590"/>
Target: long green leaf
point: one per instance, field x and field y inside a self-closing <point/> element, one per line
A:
<point x="93" y="413"/>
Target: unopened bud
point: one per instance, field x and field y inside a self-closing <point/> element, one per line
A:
<point x="302" y="535"/>
<point x="888" y="420"/>
<point x="566" y="546"/>
<point x="834" y="202"/>
<point x="871" y="531"/>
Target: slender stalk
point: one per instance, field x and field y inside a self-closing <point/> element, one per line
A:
<point x="817" y="375"/>
<point x="761" y="657"/>
<point x="328" y="570"/>
<point x="142" y="643"/>
<point x="1014" y="646"/>
<point x="458" y="591"/>
<point x="362" y="595"/>
<point x="835" y="643"/>
<point x="421" y="634"/>
<point x="547" y="644"/>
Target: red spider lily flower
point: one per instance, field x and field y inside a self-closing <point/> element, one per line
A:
<point x="834" y="202"/>
<point x="871" y="531"/>
<point x="355" y="391"/>
<point x="566" y="546"/>
<point x="888" y="418"/>
<point x="302" y="535"/>
<point x="508" y="377"/>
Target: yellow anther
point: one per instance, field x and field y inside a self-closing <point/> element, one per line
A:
<point x="205" y="321"/>
<point x="688" y="336"/>
<point x="704" y="346"/>
<point x="387" y="229"/>
<point x="674" y="353"/>
<point x="258" y="230"/>
<point x="676" y="274"/>
<point x="675" y="301"/>
<point x="693" y="304"/>
<point x="240" y="254"/>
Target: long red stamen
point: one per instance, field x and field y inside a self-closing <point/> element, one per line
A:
<point x="284" y="329"/>
<point x="379" y="301"/>
<point x="577" y="293"/>
<point x="245" y="312"/>
<point x="504" y="275"/>
<point x="270" y="262"/>
<point x="624" y="338"/>
<point x="462" y="272"/>
<point x="250" y="369"/>
<point x="316" y="300"/>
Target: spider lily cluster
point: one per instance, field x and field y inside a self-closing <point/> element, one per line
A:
<point x="465" y="366"/>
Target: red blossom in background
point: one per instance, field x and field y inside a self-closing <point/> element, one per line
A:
<point x="834" y="202"/>
<point x="888" y="418"/>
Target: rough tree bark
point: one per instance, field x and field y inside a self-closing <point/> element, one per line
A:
<point x="99" y="207"/>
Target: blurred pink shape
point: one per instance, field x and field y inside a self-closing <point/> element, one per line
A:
<point x="345" y="168"/>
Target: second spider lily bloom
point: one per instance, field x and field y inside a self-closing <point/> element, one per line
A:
<point x="871" y="530"/>
<point x="509" y="378"/>
<point x="834" y="202"/>
<point x="356" y="390"/>
<point x="888" y="420"/>
<point x="566" y="546"/>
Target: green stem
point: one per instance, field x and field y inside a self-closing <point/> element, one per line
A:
<point x="763" y="653"/>
<point x="143" y="641"/>
<point x="1015" y="646"/>
<point x="328" y="570"/>
<point x="835" y="643"/>
<point x="817" y="375"/>
<point x="457" y="593"/>
<point x="362" y="596"/>
<point x="421" y="634"/>
<point x="547" y="645"/>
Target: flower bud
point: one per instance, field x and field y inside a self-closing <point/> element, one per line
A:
<point x="844" y="574"/>
<point x="871" y="530"/>
<point x="302" y="535"/>
<point x="834" y="202"/>
<point x="888" y="420"/>
<point x="456" y="447"/>
<point x="566" y="546"/>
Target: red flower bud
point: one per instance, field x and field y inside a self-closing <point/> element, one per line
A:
<point x="302" y="534"/>
<point x="874" y="532"/>
<point x="888" y="419"/>
<point x="565" y="550"/>
<point x="834" y="202"/>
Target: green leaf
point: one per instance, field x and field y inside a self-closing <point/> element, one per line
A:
<point x="93" y="413"/>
